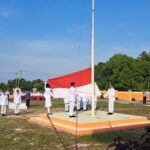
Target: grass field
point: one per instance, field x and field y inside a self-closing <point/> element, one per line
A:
<point x="16" y="133"/>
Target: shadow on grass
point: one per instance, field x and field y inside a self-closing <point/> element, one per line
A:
<point x="24" y="112"/>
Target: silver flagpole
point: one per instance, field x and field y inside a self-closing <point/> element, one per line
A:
<point x="92" y="63"/>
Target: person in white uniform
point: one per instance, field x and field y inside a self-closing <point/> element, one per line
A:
<point x="17" y="101"/>
<point x="3" y="103"/>
<point x="111" y="96"/>
<point x="47" y="95"/>
<point x="72" y="99"/>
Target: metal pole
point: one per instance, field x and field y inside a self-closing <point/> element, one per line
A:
<point x="92" y="63"/>
<point x="20" y="75"/>
<point x="16" y="79"/>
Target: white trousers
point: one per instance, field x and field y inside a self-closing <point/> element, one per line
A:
<point x="66" y="106"/>
<point x="95" y="105"/>
<point x="78" y="105"/>
<point x="111" y="106"/>
<point x="85" y="103"/>
<point x="3" y="109"/>
<point x="71" y="108"/>
<point x="48" y="109"/>
<point x="16" y="108"/>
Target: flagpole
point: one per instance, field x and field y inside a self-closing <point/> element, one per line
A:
<point x="92" y="63"/>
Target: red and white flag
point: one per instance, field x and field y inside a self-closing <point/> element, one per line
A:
<point x="82" y="80"/>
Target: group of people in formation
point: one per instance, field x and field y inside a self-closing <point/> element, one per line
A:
<point x="84" y="103"/>
<point x="4" y="99"/>
<point x="71" y="101"/>
<point x="74" y="100"/>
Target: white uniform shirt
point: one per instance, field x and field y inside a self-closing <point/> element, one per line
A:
<point x="72" y="94"/>
<point x="17" y="98"/>
<point x="145" y="94"/>
<point x="48" y="93"/>
<point x="111" y="94"/>
<point x="3" y="100"/>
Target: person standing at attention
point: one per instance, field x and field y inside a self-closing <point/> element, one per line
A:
<point x="111" y="96"/>
<point x="72" y="99"/>
<point x="144" y="96"/>
<point x="28" y="96"/>
<point x="47" y="95"/>
<point x="3" y="103"/>
<point x="17" y="101"/>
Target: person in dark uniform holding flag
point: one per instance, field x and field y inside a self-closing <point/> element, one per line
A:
<point x="28" y="97"/>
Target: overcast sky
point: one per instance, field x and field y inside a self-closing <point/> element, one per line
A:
<point x="48" y="38"/>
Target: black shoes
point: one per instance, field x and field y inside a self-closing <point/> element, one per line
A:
<point x="3" y="114"/>
<point x="72" y="116"/>
<point x="109" y="113"/>
<point x="49" y="113"/>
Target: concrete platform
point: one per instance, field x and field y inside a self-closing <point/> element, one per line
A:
<point x="11" y="105"/>
<point x="87" y="124"/>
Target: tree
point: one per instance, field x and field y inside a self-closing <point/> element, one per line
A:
<point x="124" y="72"/>
<point x="23" y="84"/>
<point x="38" y="84"/>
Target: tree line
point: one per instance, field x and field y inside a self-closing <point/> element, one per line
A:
<point x="124" y="72"/>
<point x="25" y="85"/>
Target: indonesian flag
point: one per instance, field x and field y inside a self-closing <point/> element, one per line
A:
<point x="82" y="80"/>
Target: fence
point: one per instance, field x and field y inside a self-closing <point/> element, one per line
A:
<point x="130" y="95"/>
<point x="120" y="95"/>
<point x="32" y="97"/>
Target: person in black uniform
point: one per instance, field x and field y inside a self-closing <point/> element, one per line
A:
<point x="28" y="96"/>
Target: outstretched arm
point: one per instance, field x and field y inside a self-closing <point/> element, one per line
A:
<point x="106" y="95"/>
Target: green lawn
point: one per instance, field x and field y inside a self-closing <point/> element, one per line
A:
<point x="16" y="133"/>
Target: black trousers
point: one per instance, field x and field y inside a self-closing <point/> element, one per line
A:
<point x="144" y="100"/>
<point x="27" y="103"/>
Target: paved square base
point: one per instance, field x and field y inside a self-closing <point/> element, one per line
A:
<point x="85" y="123"/>
<point x="21" y="106"/>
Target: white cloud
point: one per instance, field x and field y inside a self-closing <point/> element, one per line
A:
<point x="48" y="45"/>
<point x="4" y="14"/>
<point x="60" y="48"/>
<point x="53" y="57"/>
<point x="103" y="53"/>
<point x="7" y="13"/>
<point x="45" y="67"/>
